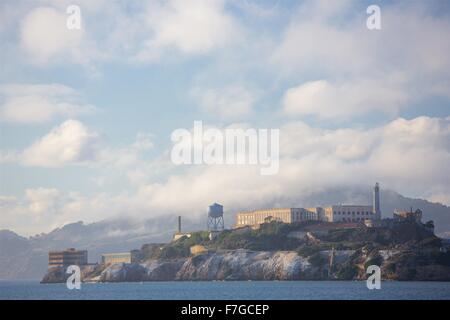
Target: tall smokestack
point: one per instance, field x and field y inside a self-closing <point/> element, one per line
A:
<point x="376" y="201"/>
<point x="179" y="224"/>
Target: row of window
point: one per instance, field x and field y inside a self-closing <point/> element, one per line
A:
<point x="353" y="212"/>
<point x="305" y="215"/>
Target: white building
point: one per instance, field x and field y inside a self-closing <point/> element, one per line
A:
<point x="348" y="213"/>
<point x="286" y="215"/>
<point x="334" y="213"/>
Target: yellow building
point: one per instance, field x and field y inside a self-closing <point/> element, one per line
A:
<point x="286" y="215"/>
<point x="180" y="235"/>
<point x="348" y="213"/>
<point x="197" y="249"/>
<point x="122" y="257"/>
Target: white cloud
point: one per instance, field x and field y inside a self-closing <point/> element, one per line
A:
<point x="73" y="143"/>
<point x="140" y="32"/>
<point x="231" y="102"/>
<point x="191" y="27"/>
<point x="363" y="70"/>
<point x="41" y="200"/>
<point x="40" y="103"/>
<point x="329" y="100"/>
<point x="334" y="39"/>
<point x="9" y="156"/>
<point x="144" y="141"/>
<point x="45" y="36"/>
<point x="69" y="143"/>
<point x="35" y="212"/>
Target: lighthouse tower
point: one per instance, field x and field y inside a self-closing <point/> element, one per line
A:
<point x="376" y="201"/>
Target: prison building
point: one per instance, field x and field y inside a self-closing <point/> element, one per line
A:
<point x="286" y="215"/>
<point x="349" y="213"/>
<point x="67" y="257"/>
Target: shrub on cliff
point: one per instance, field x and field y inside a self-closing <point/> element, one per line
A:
<point x="179" y="248"/>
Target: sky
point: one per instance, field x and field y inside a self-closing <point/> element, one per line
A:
<point x="86" y="115"/>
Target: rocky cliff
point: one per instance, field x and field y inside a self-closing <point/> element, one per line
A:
<point x="263" y="265"/>
<point x="404" y="250"/>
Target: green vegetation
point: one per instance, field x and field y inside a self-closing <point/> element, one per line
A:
<point x="270" y="236"/>
<point x="176" y="249"/>
<point x="273" y="235"/>
<point x="358" y="237"/>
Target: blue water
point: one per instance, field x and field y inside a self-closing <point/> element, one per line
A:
<point x="238" y="290"/>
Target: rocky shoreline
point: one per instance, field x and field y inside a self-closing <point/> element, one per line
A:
<point x="241" y="264"/>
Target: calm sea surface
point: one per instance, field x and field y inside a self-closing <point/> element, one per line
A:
<point x="236" y="290"/>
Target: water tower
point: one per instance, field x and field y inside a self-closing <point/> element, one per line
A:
<point x="215" y="217"/>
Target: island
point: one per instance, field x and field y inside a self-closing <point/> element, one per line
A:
<point x="404" y="249"/>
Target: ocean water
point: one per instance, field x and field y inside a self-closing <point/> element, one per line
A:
<point x="233" y="290"/>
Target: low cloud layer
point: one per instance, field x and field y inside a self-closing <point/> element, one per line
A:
<point x="40" y="103"/>
<point x="336" y="101"/>
<point x="403" y="155"/>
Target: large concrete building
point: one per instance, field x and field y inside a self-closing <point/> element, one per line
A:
<point x="334" y="213"/>
<point x="67" y="257"/>
<point x="286" y="215"/>
<point x="348" y="213"/>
